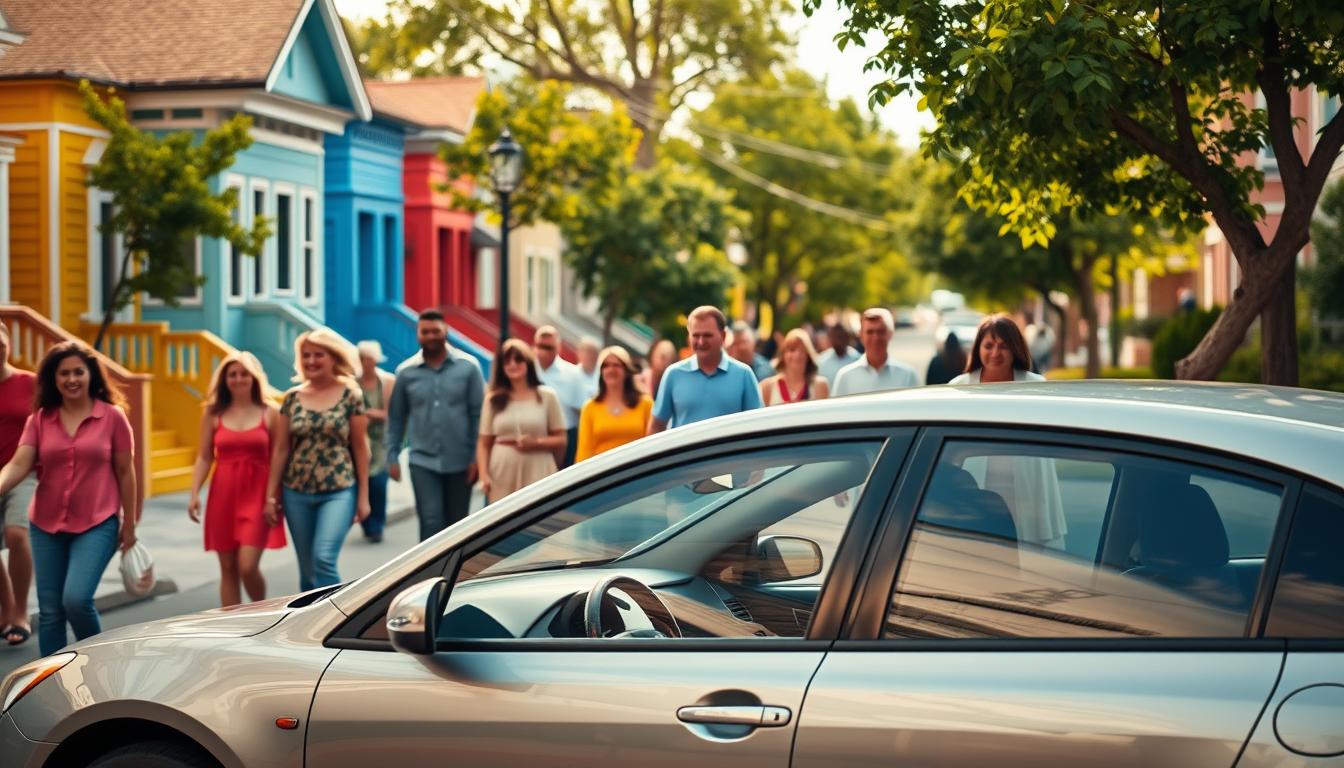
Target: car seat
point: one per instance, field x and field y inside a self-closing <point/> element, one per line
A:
<point x="1183" y="546"/>
<point x="954" y="500"/>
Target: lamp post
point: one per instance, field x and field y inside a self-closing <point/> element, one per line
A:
<point x="506" y="170"/>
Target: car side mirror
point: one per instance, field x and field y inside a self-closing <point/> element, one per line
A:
<point x="412" y="621"/>
<point x="784" y="558"/>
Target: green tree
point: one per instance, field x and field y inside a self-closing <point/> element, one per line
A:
<point x="416" y="40"/>
<point x="570" y="156"/>
<point x="1326" y="285"/>
<point x="647" y="56"/>
<point x="661" y="227"/>
<point x="161" y="201"/>
<point x="842" y="241"/>
<point x="1135" y="105"/>
<point x="976" y="251"/>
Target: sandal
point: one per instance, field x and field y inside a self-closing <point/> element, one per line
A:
<point x="23" y="634"/>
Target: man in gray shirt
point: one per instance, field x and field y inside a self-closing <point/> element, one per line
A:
<point x="439" y="392"/>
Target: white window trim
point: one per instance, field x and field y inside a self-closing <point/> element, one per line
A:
<point x="185" y="301"/>
<point x="235" y="181"/>
<point x="273" y="267"/>
<point x="261" y="261"/>
<point x="318" y="224"/>
<point x="94" y="312"/>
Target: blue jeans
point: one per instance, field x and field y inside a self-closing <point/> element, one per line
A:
<point x="377" y="519"/>
<point x="441" y="498"/>
<point x="318" y="523"/>
<point x="69" y="566"/>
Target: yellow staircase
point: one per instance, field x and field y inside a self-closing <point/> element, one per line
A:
<point x="181" y="363"/>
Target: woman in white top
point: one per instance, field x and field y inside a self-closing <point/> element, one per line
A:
<point x="798" y="379"/>
<point x="1028" y="484"/>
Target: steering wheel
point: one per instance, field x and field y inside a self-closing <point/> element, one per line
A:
<point x="664" y="625"/>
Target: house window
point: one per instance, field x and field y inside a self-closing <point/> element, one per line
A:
<point x="1268" y="162"/>
<point x="191" y="254"/>
<point x="284" y="242"/>
<point x="309" y="251"/>
<point x="367" y="256"/>
<point x="259" y="261"/>
<point x="237" y="272"/>
<point x="107" y="259"/>
<point x="389" y="257"/>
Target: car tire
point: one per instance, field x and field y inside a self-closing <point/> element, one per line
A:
<point x="155" y="754"/>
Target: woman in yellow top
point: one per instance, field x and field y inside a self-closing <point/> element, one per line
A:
<point x="619" y="414"/>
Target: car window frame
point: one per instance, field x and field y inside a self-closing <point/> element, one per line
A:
<point x="1333" y="494"/>
<point x="863" y="627"/>
<point x="894" y="444"/>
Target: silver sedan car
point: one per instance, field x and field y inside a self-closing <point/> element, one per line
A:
<point x="1049" y="574"/>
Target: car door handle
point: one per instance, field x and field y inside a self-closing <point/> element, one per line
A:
<point x="755" y="716"/>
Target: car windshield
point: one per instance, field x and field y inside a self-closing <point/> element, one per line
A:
<point x="632" y="525"/>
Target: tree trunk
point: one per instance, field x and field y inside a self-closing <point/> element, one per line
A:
<point x="1056" y="353"/>
<point x="1115" y="310"/>
<point x="1278" y="332"/>
<point x="110" y="302"/>
<point x="1248" y="300"/>
<point x="608" y="320"/>
<point x="1087" y="298"/>
<point x="643" y="108"/>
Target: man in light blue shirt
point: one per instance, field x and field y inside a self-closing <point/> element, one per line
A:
<point x="875" y="371"/>
<point x="707" y="384"/>
<point x="566" y="379"/>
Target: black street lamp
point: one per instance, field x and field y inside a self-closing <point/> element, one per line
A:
<point x="506" y="170"/>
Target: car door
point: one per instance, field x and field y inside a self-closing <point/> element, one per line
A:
<point x="1302" y="724"/>
<point x="510" y="682"/>
<point x="1038" y="599"/>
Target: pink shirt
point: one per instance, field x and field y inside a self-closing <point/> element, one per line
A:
<point x="76" y="477"/>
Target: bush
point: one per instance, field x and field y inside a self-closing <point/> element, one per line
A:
<point x="1317" y="369"/>
<point x="1071" y="374"/>
<point x="1179" y="337"/>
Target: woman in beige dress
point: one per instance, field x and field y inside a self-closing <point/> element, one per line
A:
<point x="522" y="426"/>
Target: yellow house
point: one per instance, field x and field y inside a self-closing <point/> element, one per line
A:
<point x="52" y="214"/>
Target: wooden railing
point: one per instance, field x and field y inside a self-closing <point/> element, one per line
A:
<point x="181" y="363"/>
<point x="31" y="335"/>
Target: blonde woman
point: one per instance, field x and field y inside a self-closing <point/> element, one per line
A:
<point x="619" y="414"/>
<point x="522" y="426"/>
<point x="321" y="455"/>
<point x="798" y="378"/>
<point x="236" y="440"/>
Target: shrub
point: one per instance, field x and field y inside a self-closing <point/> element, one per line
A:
<point x="1317" y="369"/>
<point x="1179" y="337"/>
<point x="1070" y="374"/>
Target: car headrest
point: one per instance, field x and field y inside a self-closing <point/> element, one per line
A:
<point x="955" y="500"/>
<point x="1183" y="530"/>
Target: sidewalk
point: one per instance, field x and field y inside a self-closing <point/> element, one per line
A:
<point x="181" y="562"/>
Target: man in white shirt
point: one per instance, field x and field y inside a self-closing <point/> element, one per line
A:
<point x="838" y="356"/>
<point x="588" y="352"/>
<point x="566" y="379"/>
<point x="875" y="372"/>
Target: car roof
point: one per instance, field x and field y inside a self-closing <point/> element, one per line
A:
<point x="1297" y="429"/>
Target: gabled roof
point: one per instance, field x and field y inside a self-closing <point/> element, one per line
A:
<point x="166" y="43"/>
<point x="444" y="103"/>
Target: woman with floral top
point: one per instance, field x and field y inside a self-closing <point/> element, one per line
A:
<point x="321" y="455"/>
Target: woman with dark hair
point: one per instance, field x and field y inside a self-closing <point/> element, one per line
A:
<point x="522" y="426"/>
<point x="1029" y="485"/>
<point x="236" y="440"/>
<point x="619" y="414"/>
<point x="87" y="503"/>
<point x="949" y="363"/>
<point x="998" y="354"/>
<point x="662" y="354"/>
<point x="798" y="376"/>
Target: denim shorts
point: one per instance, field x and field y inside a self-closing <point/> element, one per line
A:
<point x="14" y="505"/>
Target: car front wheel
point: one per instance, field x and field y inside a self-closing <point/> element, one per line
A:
<point x="155" y="754"/>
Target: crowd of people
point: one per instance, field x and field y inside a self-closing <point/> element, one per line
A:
<point x="316" y="459"/>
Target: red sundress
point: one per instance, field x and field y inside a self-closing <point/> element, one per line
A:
<point x="235" y="512"/>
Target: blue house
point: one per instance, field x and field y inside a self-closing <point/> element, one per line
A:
<point x="364" y="233"/>
<point x="298" y="81"/>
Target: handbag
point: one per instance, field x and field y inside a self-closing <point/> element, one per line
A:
<point x="137" y="570"/>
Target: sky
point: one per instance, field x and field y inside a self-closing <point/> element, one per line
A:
<point x="817" y="53"/>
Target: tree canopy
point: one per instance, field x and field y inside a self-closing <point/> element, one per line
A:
<point x="161" y="200"/>
<point x="842" y="242"/>
<point x="1062" y="107"/>
<point x="647" y="55"/>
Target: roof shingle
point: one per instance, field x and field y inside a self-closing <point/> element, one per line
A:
<point x="148" y="42"/>
<point x="432" y="102"/>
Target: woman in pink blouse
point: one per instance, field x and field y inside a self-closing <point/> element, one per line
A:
<point x="86" y="503"/>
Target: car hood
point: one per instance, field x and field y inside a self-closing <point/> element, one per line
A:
<point x="233" y="621"/>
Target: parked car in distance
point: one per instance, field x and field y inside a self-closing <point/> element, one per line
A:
<point x="1099" y="573"/>
<point x="963" y="322"/>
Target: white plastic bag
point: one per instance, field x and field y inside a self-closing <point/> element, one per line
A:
<point x="137" y="570"/>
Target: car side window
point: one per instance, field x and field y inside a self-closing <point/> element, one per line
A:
<point x="1032" y="541"/>
<point x="738" y="545"/>
<point x="1309" y="596"/>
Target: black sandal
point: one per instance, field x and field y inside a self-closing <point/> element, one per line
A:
<point x="22" y="632"/>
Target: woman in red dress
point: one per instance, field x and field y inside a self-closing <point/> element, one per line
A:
<point x="236" y="438"/>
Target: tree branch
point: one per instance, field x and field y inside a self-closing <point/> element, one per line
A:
<point x="560" y="30"/>
<point x="627" y="34"/>
<point x="656" y="43"/>
<point x="1273" y="84"/>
